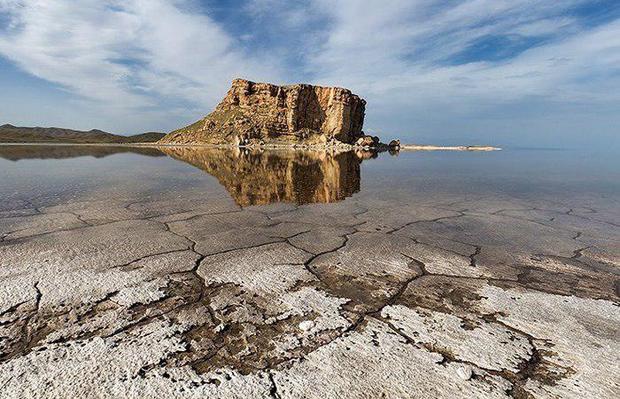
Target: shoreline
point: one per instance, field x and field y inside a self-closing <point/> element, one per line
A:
<point x="415" y="147"/>
<point x="294" y="147"/>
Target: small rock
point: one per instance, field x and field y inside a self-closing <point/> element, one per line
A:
<point x="306" y="325"/>
<point x="220" y="327"/>
<point x="465" y="372"/>
<point x="367" y="141"/>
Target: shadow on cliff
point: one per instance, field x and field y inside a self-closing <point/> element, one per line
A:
<point x="265" y="177"/>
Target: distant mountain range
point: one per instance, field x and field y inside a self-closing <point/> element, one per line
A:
<point x="19" y="152"/>
<point x="17" y="134"/>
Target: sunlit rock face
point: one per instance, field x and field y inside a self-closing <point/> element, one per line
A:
<point x="259" y="178"/>
<point x="263" y="113"/>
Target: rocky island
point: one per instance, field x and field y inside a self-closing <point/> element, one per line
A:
<point x="266" y="114"/>
<point x="300" y="115"/>
<point x="254" y="115"/>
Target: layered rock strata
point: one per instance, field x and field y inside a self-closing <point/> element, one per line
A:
<point x="263" y="113"/>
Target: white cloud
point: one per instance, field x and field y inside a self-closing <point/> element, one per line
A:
<point x="398" y="53"/>
<point x="126" y="54"/>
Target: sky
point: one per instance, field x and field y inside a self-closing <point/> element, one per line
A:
<point x="531" y="73"/>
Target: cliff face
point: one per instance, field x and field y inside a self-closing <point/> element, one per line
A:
<point x="255" y="113"/>
<point x="260" y="178"/>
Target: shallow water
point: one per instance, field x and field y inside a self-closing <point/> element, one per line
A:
<point x="232" y="273"/>
<point x="59" y="173"/>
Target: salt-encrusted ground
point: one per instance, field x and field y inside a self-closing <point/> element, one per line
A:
<point x="183" y="296"/>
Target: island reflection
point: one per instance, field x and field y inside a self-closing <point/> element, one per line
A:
<point x="29" y="151"/>
<point x="251" y="177"/>
<point x="265" y="177"/>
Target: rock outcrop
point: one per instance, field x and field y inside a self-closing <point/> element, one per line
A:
<point x="263" y="113"/>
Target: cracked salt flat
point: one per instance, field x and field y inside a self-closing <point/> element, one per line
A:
<point x="150" y="287"/>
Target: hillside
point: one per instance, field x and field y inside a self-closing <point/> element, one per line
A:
<point x="17" y="134"/>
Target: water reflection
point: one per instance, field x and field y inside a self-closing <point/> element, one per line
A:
<point x="18" y="152"/>
<point x="259" y="178"/>
<point x="251" y="177"/>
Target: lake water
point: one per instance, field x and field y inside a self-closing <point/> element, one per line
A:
<point x="189" y="272"/>
<point x="59" y="173"/>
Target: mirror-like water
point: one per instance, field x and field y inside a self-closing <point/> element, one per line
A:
<point x="214" y="271"/>
<point x="259" y="177"/>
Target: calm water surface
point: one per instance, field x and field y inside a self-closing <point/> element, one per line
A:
<point x="129" y="266"/>
<point x="48" y="175"/>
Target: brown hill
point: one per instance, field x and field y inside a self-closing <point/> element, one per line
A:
<point x="17" y="134"/>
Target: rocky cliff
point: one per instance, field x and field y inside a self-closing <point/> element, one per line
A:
<point x="263" y="113"/>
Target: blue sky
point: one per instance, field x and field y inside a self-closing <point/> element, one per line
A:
<point x="508" y="72"/>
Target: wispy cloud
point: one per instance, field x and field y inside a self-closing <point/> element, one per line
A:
<point x="386" y="45"/>
<point x="136" y="53"/>
<point x="408" y="58"/>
